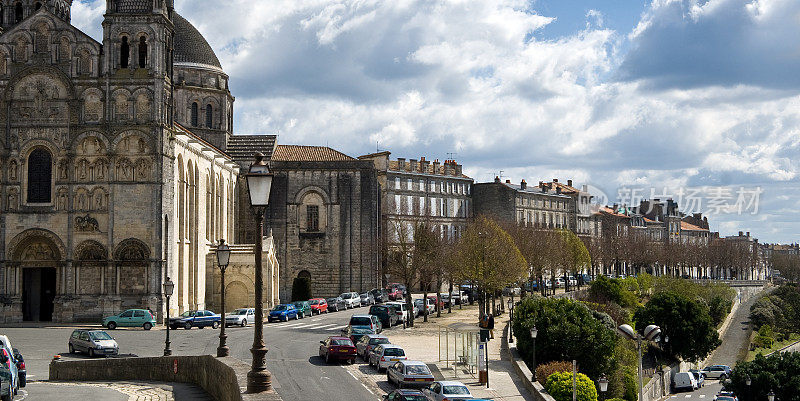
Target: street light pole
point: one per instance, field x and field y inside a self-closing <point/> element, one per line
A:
<point x="534" y="332"/>
<point x="259" y="184"/>
<point x="511" y="318"/>
<point x="651" y="332"/>
<point x="223" y="258"/>
<point x="603" y="384"/>
<point x="169" y="286"/>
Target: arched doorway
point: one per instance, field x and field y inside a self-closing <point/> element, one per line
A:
<point x="236" y="295"/>
<point x="37" y="254"/>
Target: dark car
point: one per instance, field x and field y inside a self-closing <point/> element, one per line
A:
<point x="334" y="347"/>
<point x="195" y="318"/>
<point x="386" y="313"/>
<point x="380" y="295"/>
<point x="303" y="308"/>
<point x="356" y="332"/>
<point x="405" y="395"/>
<point x="21" y="371"/>
<point x="336" y="304"/>
<point x="6" y="379"/>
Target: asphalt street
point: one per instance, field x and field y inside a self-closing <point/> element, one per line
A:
<point x="298" y="373"/>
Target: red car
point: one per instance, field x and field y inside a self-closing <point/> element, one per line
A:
<point x="336" y="347"/>
<point x="433" y="298"/>
<point x="318" y="305"/>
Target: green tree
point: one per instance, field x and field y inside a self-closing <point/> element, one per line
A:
<point x="427" y="246"/>
<point x="575" y="255"/>
<point x="604" y="290"/>
<point x="692" y="334"/>
<point x="567" y="330"/>
<point x="559" y="385"/>
<point x="779" y="372"/>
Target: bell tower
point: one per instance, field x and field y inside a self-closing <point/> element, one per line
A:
<point x="13" y="12"/>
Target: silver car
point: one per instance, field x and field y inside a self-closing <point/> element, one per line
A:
<point x="240" y="317"/>
<point x="92" y="342"/>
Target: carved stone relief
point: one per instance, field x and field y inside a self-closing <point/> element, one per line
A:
<point x="143" y="107"/>
<point x="39" y="98"/>
<point x="143" y="170"/>
<point x="38" y="251"/>
<point x="81" y="199"/>
<point x="124" y="171"/>
<point x="92" y="108"/>
<point x="63" y="170"/>
<point x="86" y="224"/>
<point x="121" y="107"/>
<point x="13" y="199"/>
<point x="12" y="171"/>
<point x="62" y="199"/>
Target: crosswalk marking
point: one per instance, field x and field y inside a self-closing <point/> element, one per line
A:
<point x="702" y="396"/>
<point x="688" y="396"/>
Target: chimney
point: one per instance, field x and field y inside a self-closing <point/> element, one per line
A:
<point x="523" y="185"/>
<point x="448" y="167"/>
<point x="496" y="179"/>
<point x="436" y="166"/>
<point x="423" y="165"/>
<point x="569" y="183"/>
<point x="741" y="233"/>
<point x="413" y="163"/>
<point x="584" y="188"/>
<point x="558" y="190"/>
<point x="555" y="179"/>
<point x="458" y="169"/>
<point x="748" y="234"/>
<point x="401" y="163"/>
<point x="508" y="181"/>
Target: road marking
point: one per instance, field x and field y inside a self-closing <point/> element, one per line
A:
<point x="688" y="396"/>
<point x="702" y="396"/>
<point x="327" y="326"/>
<point x="311" y="326"/>
<point x="361" y="382"/>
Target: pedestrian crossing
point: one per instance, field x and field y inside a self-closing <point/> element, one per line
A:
<point x="312" y="326"/>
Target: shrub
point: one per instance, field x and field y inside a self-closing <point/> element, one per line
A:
<point x="301" y="289"/>
<point x="604" y="290"/>
<point x="631" y="389"/>
<point x="619" y="314"/>
<point x="763" y="341"/>
<point x="718" y="308"/>
<point x="559" y="385"/>
<point x="766" y="331"/>
<point x="545" y="370"/>
<point x="777" y="372"/>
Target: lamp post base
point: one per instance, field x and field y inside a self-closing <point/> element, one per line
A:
<point x="259" y="379"/>
<point x="167" y="352"/>
<point x="223" y="350"/>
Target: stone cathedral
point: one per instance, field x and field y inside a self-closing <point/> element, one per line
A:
<point x="120" y="169"/>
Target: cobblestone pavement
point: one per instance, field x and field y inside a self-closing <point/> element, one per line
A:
<point x="736" y="339"/>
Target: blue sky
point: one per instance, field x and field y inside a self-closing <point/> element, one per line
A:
<point x="692" y="94"/>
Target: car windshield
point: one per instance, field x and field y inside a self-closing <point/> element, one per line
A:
<point x="345" y="296"/>
<point x="725" y="398"/>
<point x="239" y="312"/>
<point x="377" y="309"/>
<point x="331" y="300"/>
<point x="298" y="305"/>
<point x="414" y="397"/>
<point x="394" y="352"/>
<point x="378" y="341"/>
<point x="361" y="330"/>
<point x="417" y="370"/>
<point x="360" y="321"/>
<point x="187" y="314"/>
<point x="99" y="335"/>
<point x="342" y="341"/>
<point x="280" y="307"/>
<point x="459" y="390"/>
<point x="314" y="302"/>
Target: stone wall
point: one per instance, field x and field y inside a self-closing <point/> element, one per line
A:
<point x="240" y="278"/>
<point x="222" y="378"/>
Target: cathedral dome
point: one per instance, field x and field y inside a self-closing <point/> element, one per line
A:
<point x="191" y="48"/>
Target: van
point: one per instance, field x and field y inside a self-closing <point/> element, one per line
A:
<point x="684" y="381"/>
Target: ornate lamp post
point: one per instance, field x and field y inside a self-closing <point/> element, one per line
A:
<point x="259" y="184"/>
<point x="534" y="332"/>
<point x="651" y="332"/>
<point x="511" y="317"/>
<point x="223" y="257"/>
<point x="602" y="382"/>
<point x="748" y="382"/>
<point x="169" y="286"/>
<point x="771" y="396"/>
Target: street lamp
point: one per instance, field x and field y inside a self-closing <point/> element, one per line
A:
<point x="602" y="382"/>
<point x="259" y="184"/>
<point x="223" y="257"/>
<point x="534" y="332"/>
<point x="169" y="286"/>
<point x="511" y="320"/>
<point x="651" y="332"/>
<point x="771" y="396"/>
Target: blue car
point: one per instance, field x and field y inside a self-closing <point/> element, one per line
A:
<point x="283" y="312"/>
<point x="10" y="366"/>
<point x="196" y="318"/>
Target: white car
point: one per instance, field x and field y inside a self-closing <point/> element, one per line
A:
<point x="240" y="317"/>
<point x="684" y="381"/>
<point x="430" y="306"/>
<point x="351" y="299"/>
<point x="402" y="310"/>
<point x="447" y="390"/>
<point x="385" y="354"/>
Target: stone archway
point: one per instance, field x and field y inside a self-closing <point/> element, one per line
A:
<point x="237" y="295"/>
<point x="132" y="258"/>
<point x="37" y="253"/>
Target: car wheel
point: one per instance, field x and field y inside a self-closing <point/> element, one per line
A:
<point x="187" y="325"/>
<point x="147" y="326"/>
<point x="91" y="353"/>
<point x="71" y="349"/>
<point x="244" y="323"/>
<point x="215" y="325"/>
<point x="111" y="325"/>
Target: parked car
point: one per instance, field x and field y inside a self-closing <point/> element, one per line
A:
<point x="394" y="293"/>
<point x="386" y="313"/>
<point x="402" y="310"/>
<point x="725" y="396"/>
<point x="367" y="299"/>
<point x="355" y="333"/>
<point x="371" y="321"/>
<point x="318" y="305"/>
<point x="585" y="277"/>
<point x="6" y="379"/>
<point x="303" y="308"/>
<point x="195" y="318"/>
<point x="336" y="304"/>
<point x="447" y="390"/>
<point x="428" y="307"/>
<point x="384" y="355"/>
<point x="409" y="374"/>
<point x="717" y="371"/>
<point x="508" y="291"/>
<point x="380" y="295"/>
<point x="573" y="282"/>
<point x="559" y="282"/>
<point x="699" y="377"/>
<point x="368" y="342"/>
<point x="351" y="299"/>
<point x="131" y="318"/>
<point x="8" y="362"/>
<point x="340" y="348"/>
<point x="684" y="381"/>
<point x="23" y="373"/>
<point x="433" y="299"/>
<point x="92" y="342"/>
<point x="240" y="317"/>
<point x="283" y="312"/>
<point x="405" y="395"/>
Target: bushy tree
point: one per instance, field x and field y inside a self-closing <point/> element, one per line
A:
<point x="544" y="370"/>
<point x="567" y="330"/>
<point x="559" y="385"/>
<point x="780" y="309"/>
<point x="604" y="290"/>
<point x="692" y="334"/>
<point x="779" y="372"/>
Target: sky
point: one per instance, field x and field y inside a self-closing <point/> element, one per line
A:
<point x="698" y="100"/>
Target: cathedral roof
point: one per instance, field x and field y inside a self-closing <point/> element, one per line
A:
<point x="242" y="148"/>
<point x="298" y="153"/>
<point x="191" y="48"/>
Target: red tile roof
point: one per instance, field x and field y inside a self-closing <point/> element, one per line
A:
<point x="300" y="153"/>
<point x="690" y="227"/>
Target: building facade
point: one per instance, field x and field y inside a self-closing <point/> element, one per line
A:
<point x="538" y="206"/>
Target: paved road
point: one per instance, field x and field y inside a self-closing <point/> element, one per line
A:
<point x="298" y="373"/>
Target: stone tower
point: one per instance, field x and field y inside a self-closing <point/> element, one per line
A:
<point x="13" y="12"/>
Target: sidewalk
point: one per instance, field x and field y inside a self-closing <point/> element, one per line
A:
<point x="422" y="343"/>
